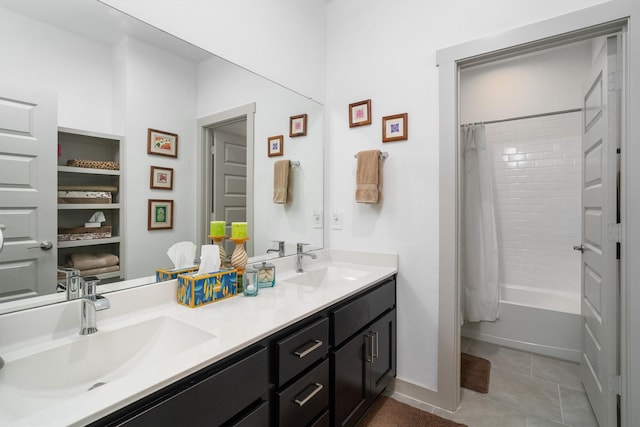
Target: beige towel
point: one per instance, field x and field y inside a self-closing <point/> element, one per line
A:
<point x="84" y="261"/>
<point x="369" y="177"/>
<point x="102" y="270"/>
<point x="281" y="182"/>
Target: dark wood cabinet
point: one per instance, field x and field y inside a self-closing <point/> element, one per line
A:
<point x="364" y="364"/>
<point x="326" y="369"/>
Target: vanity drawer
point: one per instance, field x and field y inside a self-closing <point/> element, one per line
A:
<point x="303" y="400"/>
<point x="301" y="349"/>
<point x="209" y="397"/>
<point x="259" y="417"/>
<point x="355" y="315"/>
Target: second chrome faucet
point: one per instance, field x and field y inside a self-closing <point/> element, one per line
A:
<point x="90" y="304"/>
<point x="300" y="253"/>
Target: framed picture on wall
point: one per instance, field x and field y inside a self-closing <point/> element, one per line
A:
<point x="360" y="113"/>
<point x="161" y="178"/>
<point x="160" y="215"/>
<point x="275" y="147"/>
<point x="162" y="143"/>
<point x="395" y="128"/>
<point x="298" y="125"/>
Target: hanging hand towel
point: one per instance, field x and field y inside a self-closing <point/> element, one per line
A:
<point x="281" y="181"/>
<point x="369" y="177"/>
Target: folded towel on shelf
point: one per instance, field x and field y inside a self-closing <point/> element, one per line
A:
<point x="281" y="182"/>
<point x="109" y="188"/>
<point x="96" y="271"/>
<point x="86" y="261"/>
<point x="369" y="177"/>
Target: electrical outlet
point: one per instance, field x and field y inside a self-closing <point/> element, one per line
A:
<point x="336" y="220"/>
<point x="317" y="218"/>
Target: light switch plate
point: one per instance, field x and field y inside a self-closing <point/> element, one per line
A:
<point x="336" y="220"/>
<point x="317" y="218"/>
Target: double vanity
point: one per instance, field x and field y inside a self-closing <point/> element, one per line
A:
<point x="316" y="349"/>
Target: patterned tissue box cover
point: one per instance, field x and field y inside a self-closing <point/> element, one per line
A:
<point x="164" y="274"/>
<point x="195" y="291"/>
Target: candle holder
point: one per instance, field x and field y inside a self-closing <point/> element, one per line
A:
<point x="239" y="258"/>
<point x="217" y="240"/>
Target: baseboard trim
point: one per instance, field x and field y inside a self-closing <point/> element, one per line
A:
<point x="418" y="393"/>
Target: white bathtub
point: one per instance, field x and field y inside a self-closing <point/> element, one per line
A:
<point x="535" y="320"/>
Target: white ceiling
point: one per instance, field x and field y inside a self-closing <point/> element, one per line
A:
<point x="101" y="23"/>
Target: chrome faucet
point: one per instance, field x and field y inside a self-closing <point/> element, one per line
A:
<point x="301" y="253"/>
<point x="90" y="304"/>
<point x="280" y="249"/>
<point x="72" y="282"/>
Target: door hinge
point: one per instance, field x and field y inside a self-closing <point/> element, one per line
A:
<point x="614" y="232"/>
<point x="615" y="384"/>
<point x="615" y="81"/>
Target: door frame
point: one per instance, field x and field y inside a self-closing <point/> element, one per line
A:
<point x="602" y="19"/>
<point x="203" y="167"/>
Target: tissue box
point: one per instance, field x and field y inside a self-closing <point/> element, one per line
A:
<point x="164" y="274"/>
<point x="197" y="290"/>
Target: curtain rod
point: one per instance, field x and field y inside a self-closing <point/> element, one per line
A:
<point x="531" y="116"/>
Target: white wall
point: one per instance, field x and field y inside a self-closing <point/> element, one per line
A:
<point x="541" y="82"/>
<point x="223" y="86"/>
<point x="283" y="40"/>
<point x="38" y="55"/>
<point x="161" y="93"/>
<point x="386" y="51"/>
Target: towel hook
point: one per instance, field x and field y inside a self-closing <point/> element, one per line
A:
<point x="294" y="162"/>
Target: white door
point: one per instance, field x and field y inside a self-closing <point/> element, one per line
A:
<point x="230" y="181"/>
<point x="28" y="192"/>
<point x="600" y="295"/>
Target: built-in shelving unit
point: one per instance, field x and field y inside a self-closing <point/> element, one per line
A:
<point x="93" y="146"/>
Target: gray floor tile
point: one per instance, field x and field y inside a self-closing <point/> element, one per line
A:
<point x="537" y="397"/>
<point x="559" y="371"/>
<point x="502" y="358"/>
<point x="534" y="421"/>
<point x="576" y="410"/>
<point x="478" y="410"/>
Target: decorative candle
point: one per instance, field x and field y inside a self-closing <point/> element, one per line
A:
<point x="216" y="228"/>
<point x="238" y="230"/>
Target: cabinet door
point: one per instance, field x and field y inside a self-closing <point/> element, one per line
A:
<point x="383" y="365"/>
<point x="351" y="380"/>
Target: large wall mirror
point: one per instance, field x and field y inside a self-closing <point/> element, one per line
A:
<point x="106" y="79"/>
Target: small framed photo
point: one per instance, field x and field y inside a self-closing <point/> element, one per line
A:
<point x="161" y="178"/>
<point x="360" y="113"/>
<point x="298" y="125"/>
<point x="160" y="215"/>
<point x="395" y="128"/>
<point x="275" y="147"/>
<point x="162" y="143"/>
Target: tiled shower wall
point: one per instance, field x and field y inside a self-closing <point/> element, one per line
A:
<point x="536" y="172"/>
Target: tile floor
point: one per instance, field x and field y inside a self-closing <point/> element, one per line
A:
<point x="525" y="390"/>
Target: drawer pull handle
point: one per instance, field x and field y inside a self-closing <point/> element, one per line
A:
<point x="370" y="349"/>
<point x="315" y="391"/>
<point x="316" y="344"/>
<point x="375" y="334"/>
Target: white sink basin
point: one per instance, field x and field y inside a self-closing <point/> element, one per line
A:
<point x="90" y="361"/>
<point x="325" y="274"/>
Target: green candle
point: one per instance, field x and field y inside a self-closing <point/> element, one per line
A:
<point x="216" y="228"/>
<point x="238" y="230"/>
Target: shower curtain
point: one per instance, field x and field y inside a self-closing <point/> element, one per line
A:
<point x="480" y="290"/>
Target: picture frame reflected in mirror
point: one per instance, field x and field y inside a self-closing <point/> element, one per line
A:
<point x="160" y="214"/>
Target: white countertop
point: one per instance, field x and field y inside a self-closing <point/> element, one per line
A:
<point x="235" y="322"/>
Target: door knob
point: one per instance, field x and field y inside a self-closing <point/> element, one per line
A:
<point x="579" y="248"/>
<point x="45" y="245"/>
